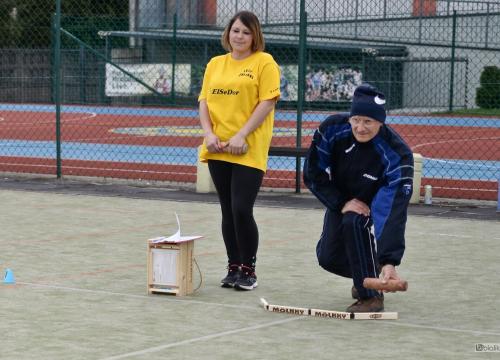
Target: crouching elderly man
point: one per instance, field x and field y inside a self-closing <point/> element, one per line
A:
<point x="362" y="171"/>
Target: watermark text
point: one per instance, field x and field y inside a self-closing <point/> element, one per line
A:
<point x="488" y="347"/>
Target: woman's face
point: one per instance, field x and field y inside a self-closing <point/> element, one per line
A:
<point x="240" y="38"/>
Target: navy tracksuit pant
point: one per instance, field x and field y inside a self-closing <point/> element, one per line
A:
<point x="347" y="248"/>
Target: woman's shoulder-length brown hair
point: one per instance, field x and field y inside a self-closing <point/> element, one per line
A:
<point x="251" y="21"/>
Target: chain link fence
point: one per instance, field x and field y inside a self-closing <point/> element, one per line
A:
<point x="110" y="89"/>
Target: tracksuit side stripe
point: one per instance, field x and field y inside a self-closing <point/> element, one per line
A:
<point x="361" y="250"/>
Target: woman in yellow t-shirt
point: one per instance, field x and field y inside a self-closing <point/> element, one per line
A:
<point x="237" y="100"/>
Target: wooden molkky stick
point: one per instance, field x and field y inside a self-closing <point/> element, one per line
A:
<point x="330" y="314"/>
<point x="391" y="285"/>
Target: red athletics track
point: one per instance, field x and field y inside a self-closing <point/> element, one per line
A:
<point x="449" y="142"/>
<point x="455" y="142"/>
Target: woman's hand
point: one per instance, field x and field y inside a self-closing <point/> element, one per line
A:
<point x="237" y="145"/>
<point x="213" y="143"/>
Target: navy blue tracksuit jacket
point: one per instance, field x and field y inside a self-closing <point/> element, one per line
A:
<point x="379" y="172"/>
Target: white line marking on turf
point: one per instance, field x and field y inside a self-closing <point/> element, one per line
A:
<point x="202" y="338"/>
<point x="257" y="327"/>
<point x="163" y="298"/>
<point x="398" y="323"/>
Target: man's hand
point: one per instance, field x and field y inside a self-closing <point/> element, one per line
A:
<point x="356" y="206"/>
<point x="389" y="273"/>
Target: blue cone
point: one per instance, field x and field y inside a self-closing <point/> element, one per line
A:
<point x="9" y="277"/>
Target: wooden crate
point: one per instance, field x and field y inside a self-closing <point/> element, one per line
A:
<point x="170" y="268"/>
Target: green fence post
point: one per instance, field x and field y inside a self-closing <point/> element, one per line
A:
<point x="487" y="25"/>
<point x="102" y="78"/>
<point x="356" y="10"/>
<point x="57" y="90"/>
<point x="174" y="59"/>
<point x="83" y="82"/>
<point x="52" y="57"/>
<point x="466" y="86"/>
<point x="266" y="17"/>
<point x="301" y="89"/>
<point x="452" y="62"/>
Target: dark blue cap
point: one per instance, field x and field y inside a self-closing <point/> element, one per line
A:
<point x="368" y="101"/>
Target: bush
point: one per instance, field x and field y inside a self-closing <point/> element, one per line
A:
<point x="488" y="94"/>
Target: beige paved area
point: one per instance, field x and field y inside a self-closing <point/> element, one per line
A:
<point x="80" y="266"/>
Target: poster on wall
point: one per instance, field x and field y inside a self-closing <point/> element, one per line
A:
<point x="157" y="76"/>
<point x="324" y="82"/>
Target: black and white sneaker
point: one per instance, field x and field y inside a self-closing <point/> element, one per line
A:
<point x="233" y="273"/>
<point x="247" y="279"/>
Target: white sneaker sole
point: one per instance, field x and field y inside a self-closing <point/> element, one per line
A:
<point x="226" y="285"/>
<point x="245" y="287"/>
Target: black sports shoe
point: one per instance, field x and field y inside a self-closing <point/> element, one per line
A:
<point x="247" y="279"/>
<point x="233" y="273"/>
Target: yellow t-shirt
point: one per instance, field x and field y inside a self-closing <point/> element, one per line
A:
<point x="232" y="89"/>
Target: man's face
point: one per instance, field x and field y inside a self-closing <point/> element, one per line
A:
<point x="364" y="128"/>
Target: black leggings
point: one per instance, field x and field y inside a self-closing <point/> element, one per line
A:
<point x="237" y="187"/>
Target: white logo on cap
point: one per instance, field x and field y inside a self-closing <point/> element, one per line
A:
<point x="379" y="101"/>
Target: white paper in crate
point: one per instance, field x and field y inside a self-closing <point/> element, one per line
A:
<point x="176" y="238"/>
